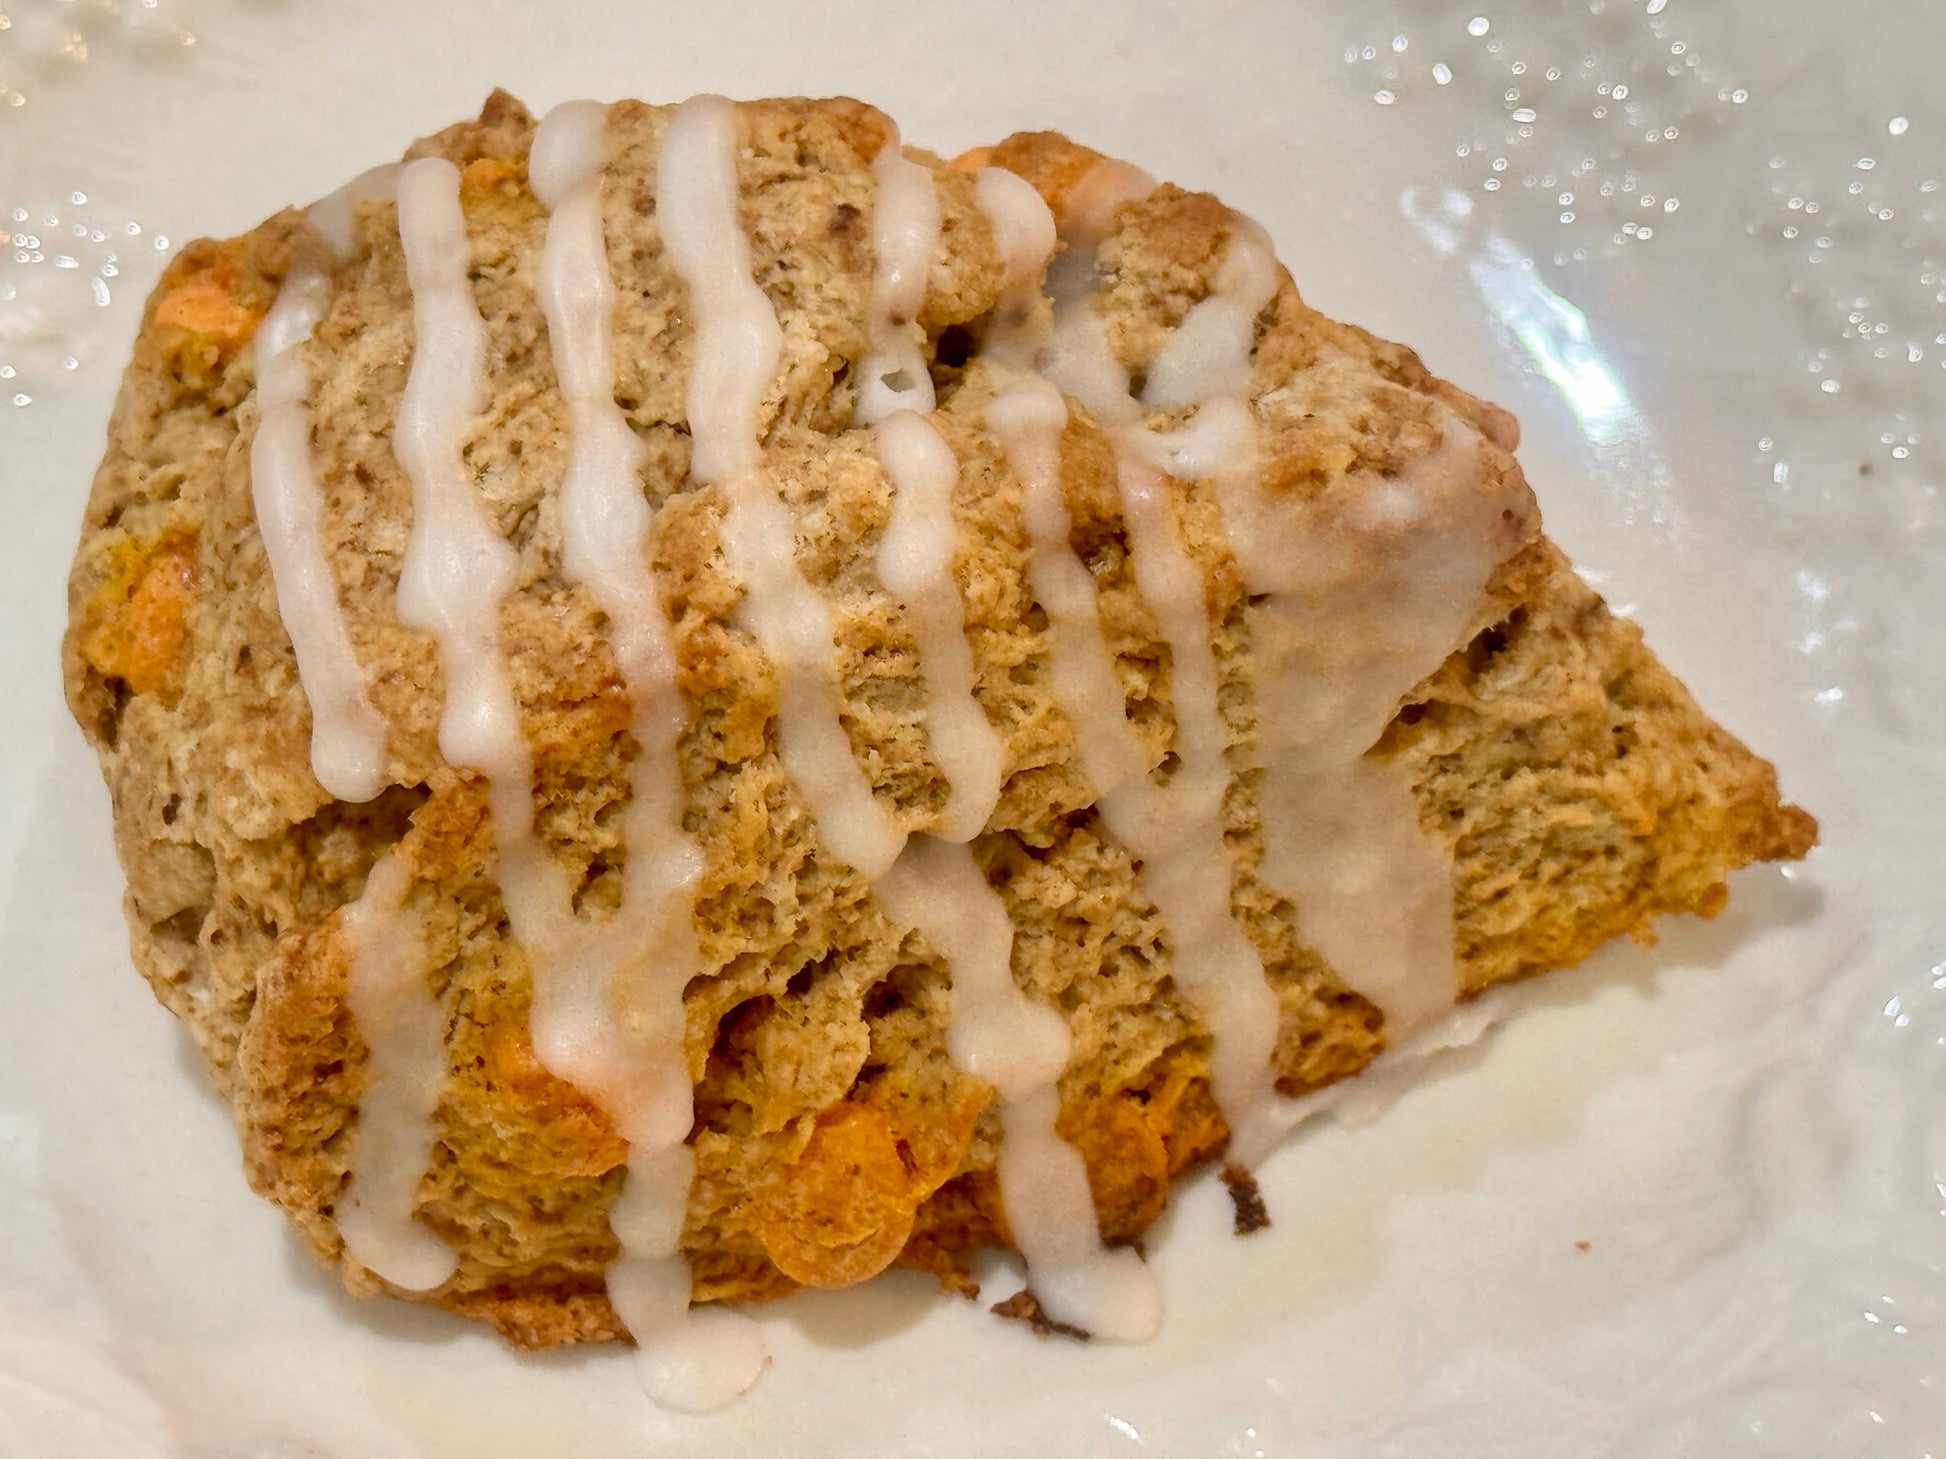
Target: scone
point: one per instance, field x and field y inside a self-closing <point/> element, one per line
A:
<point x="699" y="703"/>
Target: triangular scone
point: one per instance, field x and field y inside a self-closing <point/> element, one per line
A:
<point x="1563" y="778"/>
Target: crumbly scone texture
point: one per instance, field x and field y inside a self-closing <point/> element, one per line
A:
<point x="1577" y="787"/>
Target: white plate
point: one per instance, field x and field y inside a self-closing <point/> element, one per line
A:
<point x="1699" y="249"/>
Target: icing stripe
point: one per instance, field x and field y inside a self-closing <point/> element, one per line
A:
<point x="1020" y="1047"/>
<point x="457" y="568"/>
<point x="404" y="1029"/>
<point x="1079" y="360"/>
<point x="1023" y="232"/>
<point x="905" y="230"/>
<point x="1087" y="217"/>
<point x="1173" y="829"/>
<point x="605" y="521"/>
<point x="737" y="344"/>
<point x="1207" y="355"/>
<point x="1176" y="829"/>
<point x="996" y="1033"/>
<point x="347" y="733"/>
<point x="737" y="341"/>
<point x="1109" y="1292"/>
<point x="1205" y="362"/>
<point x="1028" y="418"/>
<point x="697" y="1358"/>
<point x="631" y="1059"/>
<point x="915" y="562"/>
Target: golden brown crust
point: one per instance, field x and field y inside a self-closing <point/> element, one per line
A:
<point x="1643" y="803"/>
<point x="1578" y="789"/>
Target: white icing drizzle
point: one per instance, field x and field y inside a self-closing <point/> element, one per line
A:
<point x="1028" y="419"/>
<point x="1089" y="216"/>
<point x="737" y="344"/>
<point x="996" y="1032"/>
<point x="629" y="1058"/>
<point x="1176" y="829"/>
<point x="1219" y="443"/>
<point x="1341" y="831"/>
<point x="1079" y="360"/>
<point x="1020" y="1047"/>
<point x="1023" y="232"/>
<point x="608" y="1015"/>
<point x="457" y="567"/>
<point x="334" y="213"/>
<point x="404" y="1030"/>
<point x="1207" y="355"/>
<point x="347" y="732"/>
<point x="1206" y="363"/>
<point x="1094" y="200"/>
<point x="1109" y="1292"/>
<point x="905" y="231"/>
<point x="604" y="534"/>
<point x="698" y="1358"/>
<point x="1043" y="1180"/>
<point x="737" y="338"/>
<point x="604" y="531"/>
<point x="915" y="562"/>
<point x="1363" y="600"/>
<point x="1076" y="355"/>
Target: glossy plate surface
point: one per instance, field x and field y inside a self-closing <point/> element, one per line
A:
<point x="1688" y="1201"/>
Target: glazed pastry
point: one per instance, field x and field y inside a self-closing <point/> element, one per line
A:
<point x="698" y="702"/>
